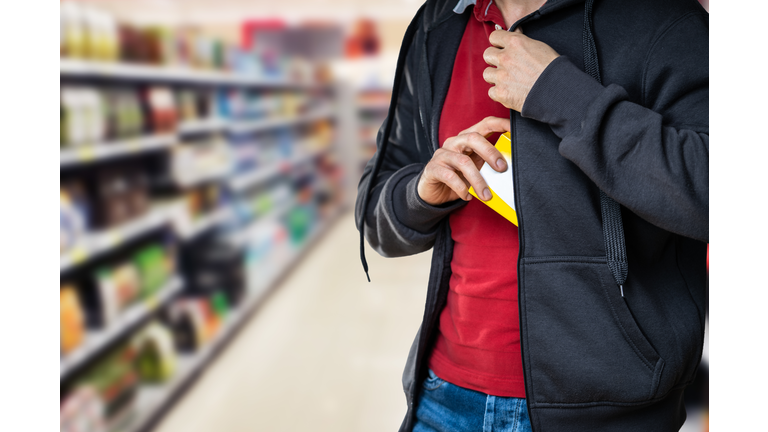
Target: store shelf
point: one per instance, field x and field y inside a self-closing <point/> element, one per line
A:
<point x="137" y="72"/>
<point x="86" y="154"/>
<point x="96" y="244"/>
<point x="252" y="178"/>
<point x="213" y="176"/>
<point x="250" y="126"/>
<point x="153" y="400"/>
<point x="374" y="106"/>
<point x="206" y="222"/>
<point x="249" y="231"/>
<point x="96" y="341"/>
<point x="208" y="125"/>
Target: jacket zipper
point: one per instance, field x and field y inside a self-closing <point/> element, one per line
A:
<point x="520" y="231"/>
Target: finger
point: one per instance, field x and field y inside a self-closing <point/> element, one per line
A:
<point x="491" y="56"/>
<point x="490" y="75"/>
<point x="464" y="164"/>
<point x="474" y="142"/>
<point x="489" y="125"/>
<point x="450" y="178"/>
<point x="499" y="38"/>
<point x="519" y="29"/>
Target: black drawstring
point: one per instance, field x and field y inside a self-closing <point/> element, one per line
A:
<point x="407" y="39"/>
<point x="613" y="226"/>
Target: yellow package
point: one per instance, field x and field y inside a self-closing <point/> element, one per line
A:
<point x="501" y="184"/>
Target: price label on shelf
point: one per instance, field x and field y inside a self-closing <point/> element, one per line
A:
<point x="78" y="255"/>
<point x="134" y="145"/>
<point x="86" y="153"/>
<point x="112" y="239"/>
<point x="152" y="303"/>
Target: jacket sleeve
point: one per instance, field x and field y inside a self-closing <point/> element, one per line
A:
<point x="397" y="222"/>
<point x="652" y="157"/>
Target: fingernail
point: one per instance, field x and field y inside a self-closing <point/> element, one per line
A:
<point x="501" y="164"/>
<point x="487" y="194"/>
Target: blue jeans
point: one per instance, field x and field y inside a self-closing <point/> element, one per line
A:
<point x="445" y="407"/>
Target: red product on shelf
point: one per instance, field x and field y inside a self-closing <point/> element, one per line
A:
<point x="161" y="107"/>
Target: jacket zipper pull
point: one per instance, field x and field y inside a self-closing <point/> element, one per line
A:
<point x="622" y="290"/>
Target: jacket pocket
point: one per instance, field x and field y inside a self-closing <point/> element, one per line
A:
<point x="581" y="342"/>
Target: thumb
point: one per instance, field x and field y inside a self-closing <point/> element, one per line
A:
<point x="519" y="29"/>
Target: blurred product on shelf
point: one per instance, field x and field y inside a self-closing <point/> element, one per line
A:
<point x="203" y="200"/>
<point x="161" y="108"/>
<point x="74" y="215"/>
<point x="92" y="115"/>
<point x="82" y="411"/>
<point x="186" y="320"/>
<point x="196" y="104"/>
<point x="72" y="320"/>
<point x="87" y="32"/>
<point x="117" y="289"/>
<point x="212" y="266"/>
<point x="137" y="277"/>
<point x="115" y="383"/>
<point x="364" y="40"/>
<point x="156" y="360"/>
<point x="82" y="116"/>
<point x="90" y="34"/>
<point x="119" y="194"/>
<point x="200" y="162"/>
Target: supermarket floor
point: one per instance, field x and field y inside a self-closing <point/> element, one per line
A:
<point x="324" y="352"/>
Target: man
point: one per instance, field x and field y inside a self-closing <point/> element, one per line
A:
<point x="590" y="315"/>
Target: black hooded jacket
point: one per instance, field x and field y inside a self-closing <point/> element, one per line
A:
<point x="593" y="361"/>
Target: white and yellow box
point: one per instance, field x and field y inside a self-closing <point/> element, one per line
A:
<point x="501" y="184"/>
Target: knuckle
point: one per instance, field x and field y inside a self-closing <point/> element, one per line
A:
<point x="464" y="160"/>
<point x="447" y="175"/>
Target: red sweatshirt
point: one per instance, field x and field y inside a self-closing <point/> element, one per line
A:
<point x="478" y="346"/>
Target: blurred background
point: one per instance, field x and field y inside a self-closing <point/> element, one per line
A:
<point x="209" y="273"/>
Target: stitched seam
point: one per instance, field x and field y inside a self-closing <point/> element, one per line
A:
<point x="627" y="338"/>
<point x="656" y="41"/>
<point x="560" y="405"/>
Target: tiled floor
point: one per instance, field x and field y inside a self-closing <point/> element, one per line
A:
<point x="324" y="353"/>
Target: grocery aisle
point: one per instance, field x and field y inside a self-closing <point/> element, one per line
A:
<point x="324" y="352"/>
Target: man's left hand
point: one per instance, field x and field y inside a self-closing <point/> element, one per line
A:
<point x="517" y="62"/>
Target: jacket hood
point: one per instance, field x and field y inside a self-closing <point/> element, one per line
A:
<point x="437" y="11"/>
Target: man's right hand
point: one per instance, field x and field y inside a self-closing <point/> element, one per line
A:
<point x="456" y="166"/>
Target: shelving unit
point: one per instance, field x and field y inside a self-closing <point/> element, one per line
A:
<point x="170" y="218"/>
<point x="247" y="180"/>
<point x="153" y="400"/>
<point x="96" y="341"/>
<point x="205" y="222"/>
<point x="138" y="72"/>
<point x="251" y="126"/>
<point x="98" y="243"/>
<point x="87" y="154"/>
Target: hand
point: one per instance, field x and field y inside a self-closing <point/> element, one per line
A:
<point x="456" y="166"/>
<point x="518" y="62"/>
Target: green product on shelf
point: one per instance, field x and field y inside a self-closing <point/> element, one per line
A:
<point x="156" y="355"/>
<point x="115" y="380"/>
<point x="299" y="222"/>
<point x="220" y="305"/>
<point x="263" y="204"/>
<point x="152" y="269"/>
